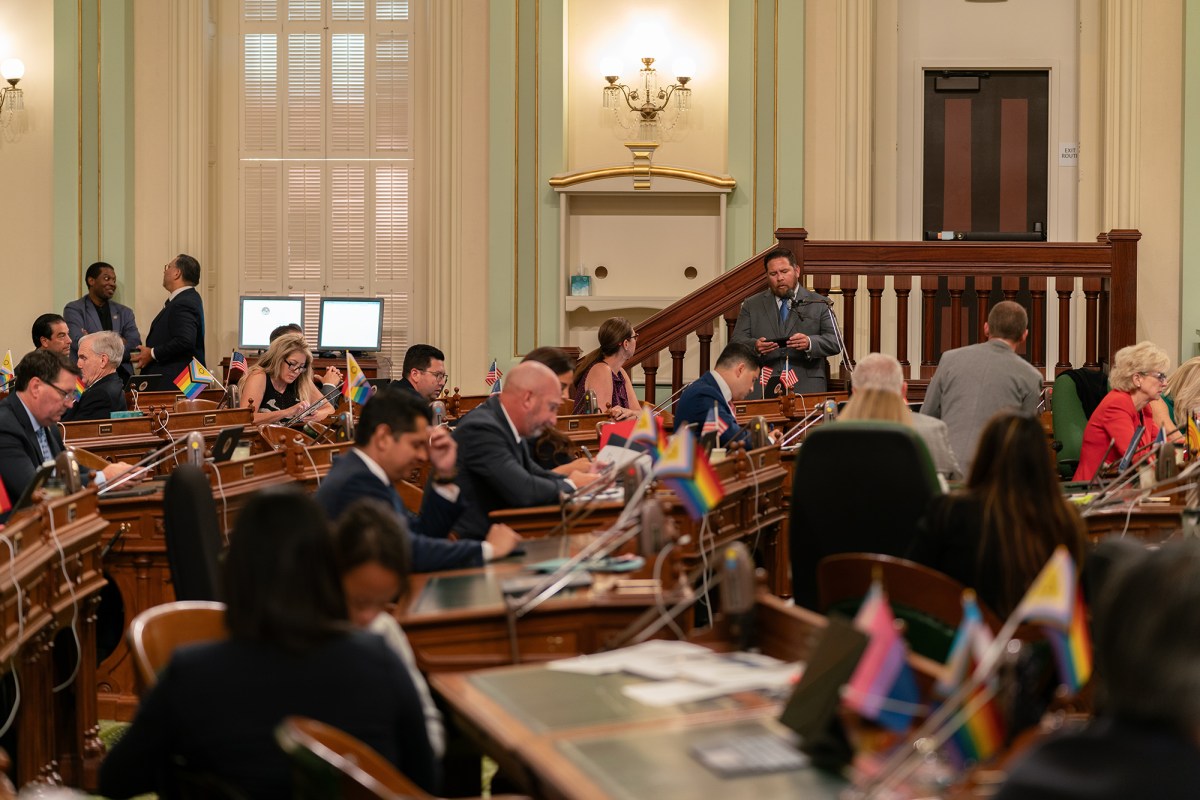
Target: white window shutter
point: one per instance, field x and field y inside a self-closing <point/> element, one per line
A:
<point x="393" y="92"/>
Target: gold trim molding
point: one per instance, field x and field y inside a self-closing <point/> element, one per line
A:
<point x="638" y="172"/>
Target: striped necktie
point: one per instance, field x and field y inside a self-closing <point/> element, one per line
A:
<point x="44" y="444"/>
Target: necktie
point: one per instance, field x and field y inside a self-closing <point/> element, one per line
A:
<point x="783" y="312"/>
<point x="44" y="444"/>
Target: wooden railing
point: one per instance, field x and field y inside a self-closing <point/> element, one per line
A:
<point x="1107" y="267"/>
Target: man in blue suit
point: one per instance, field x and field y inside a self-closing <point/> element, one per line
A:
<point x="392" y="437"/>
<point x="96" y="311"/>
<point x="734" y="377"/>
<point x="177" y="334"/>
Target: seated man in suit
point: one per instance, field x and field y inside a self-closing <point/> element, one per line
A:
<point x="99" y="356"/>
<point x="884" y="373"/>
<point x="495" y="468"/>
<point x="1145" y="739"/>
<point x="424" y="372"/>
<point x="788" y="310"/>
<point x="50" y="332"/>
<point x="96" y="311"/>
<point x="176" y="335"/>
<point x="392" y="437"/>
<point x="734" y="377"/>
<point x="43" y="389"/>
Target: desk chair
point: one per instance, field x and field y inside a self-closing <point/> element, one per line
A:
<point x="155" y="633"/>
<point x="1070" y="413"/>
<point x="183" y="404"/>
<point x="857" y="487"/>
<point x="278" y="436"/>
<point x="929" y="602"/>
<point x="192" y="534"/>
<point x="330" y="763"/>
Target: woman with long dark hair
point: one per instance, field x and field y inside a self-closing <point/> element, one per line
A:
<point x="602" y="372"/>
<point x="291" y="651"/>
<point x="997" y="534"/>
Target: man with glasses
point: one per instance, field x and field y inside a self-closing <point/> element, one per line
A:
<point x="424" y="373"/>
<point x="973" y="383"/>
<point x="43" y="390"/>
<point x="177" y="334"/>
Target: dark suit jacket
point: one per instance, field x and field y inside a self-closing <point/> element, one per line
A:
<point x="759" y="318"/>
<point x="405" y="385"/>
<point x="496" y="471"/>
<point x="99" y="401"/>
<point x="81" y="315"/>
<point x="697" y="401"/>
<point x="216" y="706"/>
<point x="177" y="336"/>
<point x="20" y="455"/>
<point x="350" y="479"/>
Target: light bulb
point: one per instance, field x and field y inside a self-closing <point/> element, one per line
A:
<point x="13" y="69"/>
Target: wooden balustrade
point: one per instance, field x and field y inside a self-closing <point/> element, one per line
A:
<point x="965" y="277"/>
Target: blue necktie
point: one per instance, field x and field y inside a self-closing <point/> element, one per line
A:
<point x="44" y="444"/>
<point x="783" y="312"/>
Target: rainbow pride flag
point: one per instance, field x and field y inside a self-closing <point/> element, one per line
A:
<point x="648" y="429"/>
<point x="700" y="489"/>
<point x="1055" y="603"/>
<point x="79" y="389"/>
<point x="882" y="687"/>
<point x="6" y="370"/>
<point x="981" y="734"/>
<point x="1193" y="437"/>
<point x="194" y="379"/>
<point x="356" y="388"/>
<point x="1073" y="648"/>
<point x="678" y="459"/>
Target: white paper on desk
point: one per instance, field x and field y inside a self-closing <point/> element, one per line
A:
<point x="669" y="693"/>
<point x="654" y="656"/>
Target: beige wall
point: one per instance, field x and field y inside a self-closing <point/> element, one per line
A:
<point x="27" y="33"/>
<point x="697" y="29"/>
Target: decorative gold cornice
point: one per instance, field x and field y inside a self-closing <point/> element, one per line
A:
<point x="631" y="171"/>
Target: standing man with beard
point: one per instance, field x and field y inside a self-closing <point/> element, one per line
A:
<point x="807" y="328"/>
<point x="96" y="311"/>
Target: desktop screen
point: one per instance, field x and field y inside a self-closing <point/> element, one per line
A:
<point x="350" y="323"/>
<point x="258" y="316"/>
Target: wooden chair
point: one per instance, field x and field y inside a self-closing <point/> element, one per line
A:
<point x="929" y="602"/>
<point x="157" y="632"/>
<point x="278" y="437"/>
<point x="183" y="404"/>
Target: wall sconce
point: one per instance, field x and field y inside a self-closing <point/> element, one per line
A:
<point x="651" y="113"/>
<point x="13" y="119"/>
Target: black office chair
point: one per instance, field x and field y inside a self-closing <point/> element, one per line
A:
<point x="858" y="487"/>
<point x="192" y="533"/>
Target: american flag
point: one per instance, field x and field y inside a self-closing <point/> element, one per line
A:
<point x="237" y="367"/>
<point x="764" y="377"/>
<point x="493" y="374"/>
<point x="714" y="423"/>
<point x="788" y="378"/>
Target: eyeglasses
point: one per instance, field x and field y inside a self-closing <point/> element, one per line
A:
<point x="295" y="366"/>
<point x="442" y="377"/>
<point x="1160" y="376"/>
<point x="67" y="395"/>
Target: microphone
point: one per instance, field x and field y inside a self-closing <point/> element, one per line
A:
<point x="760" y="432"/>
<point x="1123" y="464"/>
<point x="658" y="408"/>
<point x="653" y="534"/>
<point x="439" y="412"/>
<point x="1166" y="468"/>
<point x="830" y="410"/>
<point x="1096" y="479"/>
<point x="737" y="593"/>
<point x="591" y="404"/>
<point x="195" y="448"/>
<point x="67" y="469"/>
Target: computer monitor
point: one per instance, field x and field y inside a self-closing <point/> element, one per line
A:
<point x="350" y="323"/>
<point x="258" y="316"/>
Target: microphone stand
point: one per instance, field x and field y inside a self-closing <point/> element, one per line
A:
<point x="658" y="408"/>
<point x="149" y="462"/>
<point x="1119" y="482"/>
<point x="814" y="417"/>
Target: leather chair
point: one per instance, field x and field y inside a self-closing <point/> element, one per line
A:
<point x="183" y="404"/>
<point x="857" y="487"/>
<point x="329" y="763"/>
<point x="1070" y="416"/>
<point x="155" y="633"/>
<point x="929" y="602"/>
<point x="192" y="533"/>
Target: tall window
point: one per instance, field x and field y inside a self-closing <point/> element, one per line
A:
<point x="325" y="154"/>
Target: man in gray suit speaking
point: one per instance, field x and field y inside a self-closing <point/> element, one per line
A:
<point x="973" y="383"/>
<point x="788" y="325"/>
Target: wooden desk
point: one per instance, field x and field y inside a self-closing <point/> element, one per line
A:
<point x="150" y="400"/>
<point x="457" y="621"/>
<point x="131" y="439"/>
<point x="57" y="568"/>
<point x="1149" y="523"/>
<point x="563" y="735"/>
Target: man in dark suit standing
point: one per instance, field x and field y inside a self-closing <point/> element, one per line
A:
<point x="787" y="310"/>
<point x="96" y="311"/>
<point x="392" y="437"/>
<point x="43" y="389"/>
<point x="495" y="469"/>
<point x="177" y="334"/>
<point x="734" y="377"/>
<point x="99" y="355"/>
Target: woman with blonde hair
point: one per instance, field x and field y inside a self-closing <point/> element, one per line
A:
<point x="877" y="404"/>
<point x="281" y="386"/>
<point x="602" y="372"/>
<point x="1138" y="376"/>
<point x="1181" y="398"/>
